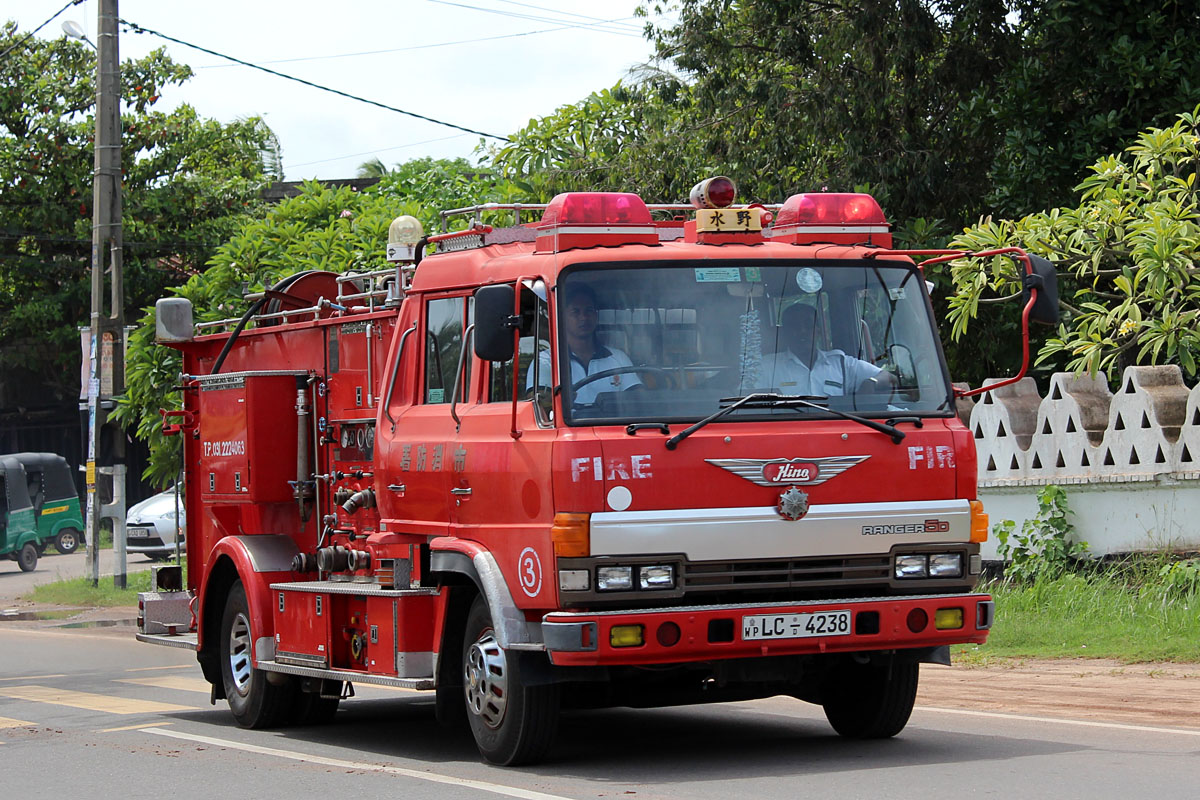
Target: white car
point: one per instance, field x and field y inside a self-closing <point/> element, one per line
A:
<point x="150" y="526"/>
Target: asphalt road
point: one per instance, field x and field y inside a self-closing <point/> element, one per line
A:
<point x="54" y="566"/>
<point x="103" y="716"/>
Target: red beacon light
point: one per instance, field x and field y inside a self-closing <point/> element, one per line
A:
<point x="834" y="217"/>
<point x="718" y="192"/>
<point x="595" y="219"/>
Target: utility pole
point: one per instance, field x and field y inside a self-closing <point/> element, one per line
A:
<point x="107" y="325"/>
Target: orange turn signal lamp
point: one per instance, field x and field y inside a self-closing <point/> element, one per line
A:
<point x="571" y="535"/>
<point x="979" y="522"/>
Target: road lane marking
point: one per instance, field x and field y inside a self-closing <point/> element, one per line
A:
<point x="88" y="701"/>
<point x="33" y="677"/>
<point x="135" y="727"/>
<point x="1078" y="722"/>
<point x="182" y="683"/>
<point x="8" y="722"/>
<point x="363" y="766"/>
<point x="149" y="669"/>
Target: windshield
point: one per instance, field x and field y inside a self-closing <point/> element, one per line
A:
<point x="667" y="343"/>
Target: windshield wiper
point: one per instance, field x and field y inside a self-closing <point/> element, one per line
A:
<point x="775" y="400"/>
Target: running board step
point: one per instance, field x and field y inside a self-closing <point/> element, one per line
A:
<point x="349" y="676"/>
<point x="187" y="641"/>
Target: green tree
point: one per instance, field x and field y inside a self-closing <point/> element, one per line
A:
<point x="1091" y="74"/>
<point x="322" y="228"/>
<point x="186" y="180"/>
<point x="1126" y="258"/>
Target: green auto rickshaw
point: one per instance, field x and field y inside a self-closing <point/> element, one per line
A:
<point x="56" y="506"/>
<point x="18" y="522"/>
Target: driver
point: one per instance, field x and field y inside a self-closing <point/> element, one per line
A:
<point x="586" y="354"/>
<point x="801" y="368"/>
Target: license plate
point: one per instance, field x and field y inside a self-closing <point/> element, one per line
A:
<point x="796" y="626"/>
<point x="137" y="533"/>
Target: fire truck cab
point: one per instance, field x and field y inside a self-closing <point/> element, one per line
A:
<point x="623" y="455"/>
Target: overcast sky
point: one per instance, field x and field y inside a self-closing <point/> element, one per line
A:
<point x="443" y="59"/>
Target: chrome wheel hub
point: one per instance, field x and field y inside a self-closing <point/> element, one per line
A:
<point x="240" y="664"/>
<point x="486" y="680"/>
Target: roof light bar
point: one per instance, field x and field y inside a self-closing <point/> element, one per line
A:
<point x="718" y="192"/>
<point x="836" y="217"/>
<point x="595" y="219"/>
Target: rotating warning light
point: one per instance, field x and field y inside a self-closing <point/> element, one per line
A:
<point x="403" y="235"/>
<point x="836" y="217"/>
<point x="718" y="192"/>
<point x="595" y="219"/>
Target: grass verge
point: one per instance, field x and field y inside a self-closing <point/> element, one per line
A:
<point x="1124" y="613"/>
<point x="80" y="592"/>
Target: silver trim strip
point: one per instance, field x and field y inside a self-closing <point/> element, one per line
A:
<point x="351" y="677"/>
<point x="730" y="534"/>
<point x="185" y="641"/>
<point x="349" y="587"/>
<point x="566" y="617"/>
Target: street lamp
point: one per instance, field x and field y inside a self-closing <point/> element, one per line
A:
<point x="75" y="31"/>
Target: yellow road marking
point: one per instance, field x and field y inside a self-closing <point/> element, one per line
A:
<point x="152" y="669"/>
<point x="135" y="727"/>
<point x="88" y="701"/>
<point x="181" y="683"/>
<point x="33" y="677"/>
<point x="8" y="722"/>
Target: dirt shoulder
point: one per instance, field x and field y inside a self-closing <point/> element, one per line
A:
<point x="1166" y="695"/>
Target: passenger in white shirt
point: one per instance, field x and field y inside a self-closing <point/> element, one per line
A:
<point x="586" y="354"/>
<point x="803" y="369"/>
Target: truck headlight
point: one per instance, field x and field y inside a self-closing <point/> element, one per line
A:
<point x="912" y="566"/>
<point x="614" y="579"/>
<point x="945" y="565"/>
<point x="659" y="576"/>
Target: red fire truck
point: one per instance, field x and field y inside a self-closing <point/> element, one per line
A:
<point x="621" y="455"/>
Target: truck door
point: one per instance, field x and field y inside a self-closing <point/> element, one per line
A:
<point x="502" y="484"/>
<point x="417" y="462"/>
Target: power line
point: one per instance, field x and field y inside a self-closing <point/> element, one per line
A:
<point x="139" y="29"/>
<point x="620" y="22"/>
<point x="39" y="27"/>
<point x="373" y="152"/>
<point x="430" y="46"/>
<point x="533" y="18"/>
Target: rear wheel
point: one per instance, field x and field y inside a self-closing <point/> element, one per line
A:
<point x="512" y="723"/>
<point x="27" y="558"/>
<point x="255" y="701"/>
<point x="873" y="700"/>
<point x="67" y="541"/>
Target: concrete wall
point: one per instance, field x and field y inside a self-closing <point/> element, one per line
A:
<point x="1129" y="462"/>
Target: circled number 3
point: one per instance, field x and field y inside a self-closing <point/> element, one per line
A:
<point x="530" y="572"/>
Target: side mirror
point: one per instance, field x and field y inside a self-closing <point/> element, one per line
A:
<point x="1045" y="280"/>
<point x="494" y="322"/>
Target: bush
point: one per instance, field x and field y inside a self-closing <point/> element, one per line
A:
<point x="1044" y="548"/>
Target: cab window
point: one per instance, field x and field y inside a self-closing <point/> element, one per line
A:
<point x="446" y="319"/>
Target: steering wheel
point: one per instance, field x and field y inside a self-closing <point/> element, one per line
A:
<point x="608" y="373"/>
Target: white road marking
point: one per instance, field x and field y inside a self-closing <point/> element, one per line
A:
<point x="134" y="727"/>
<point x="433" y="777"/>
<point x="1060" y="721"/>
<point x="8" y="722"/>
<point x="148" y="669"/>
<point x="88" y="700"/>
<point x="182" y="683"/>
<point x="34" y="677"/>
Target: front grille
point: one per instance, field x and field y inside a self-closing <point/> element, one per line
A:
<point x="812" y="573"/>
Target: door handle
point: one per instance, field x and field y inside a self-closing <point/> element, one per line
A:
<point x="396" y="487"/>
<point x="460" y="491"/>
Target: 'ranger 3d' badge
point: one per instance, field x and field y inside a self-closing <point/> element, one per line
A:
<point x="793" y="504"/>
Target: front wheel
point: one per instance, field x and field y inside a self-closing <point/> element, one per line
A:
<point x="27" y="558"/>
<point x="67" y="541"/>
<point x="255" y="701"/>
<point x="872" y="700"/>
<point x="512" y="723"/>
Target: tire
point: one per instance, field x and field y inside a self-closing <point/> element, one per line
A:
<point x="254" y="700"/>
<point x="67" y="541"/>
<point x="871" y="701"/>
<point x="512" y="723"/>
<point x="27" y="558"/>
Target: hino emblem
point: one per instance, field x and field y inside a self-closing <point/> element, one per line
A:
<point x="787" y="471"/>
<point x="793" y="504"/>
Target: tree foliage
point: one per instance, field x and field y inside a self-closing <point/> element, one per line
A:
<point x="185" y="181"/>
<point x="1126" y="257"/>
<point x="333" y="229"/>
